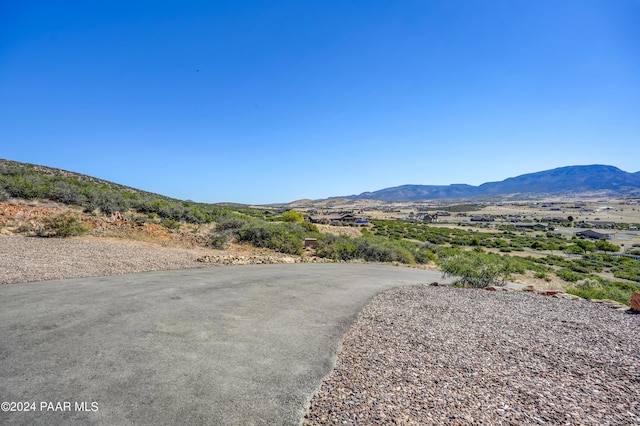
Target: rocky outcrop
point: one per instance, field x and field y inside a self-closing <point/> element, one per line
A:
<point x="611" y="304"/>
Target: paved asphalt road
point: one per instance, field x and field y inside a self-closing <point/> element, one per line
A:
<point x="242" y="345"/>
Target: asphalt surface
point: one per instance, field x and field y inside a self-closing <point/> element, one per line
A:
<point x="241" y="345"/>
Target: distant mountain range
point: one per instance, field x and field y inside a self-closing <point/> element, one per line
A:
<point x="563" y="180"/>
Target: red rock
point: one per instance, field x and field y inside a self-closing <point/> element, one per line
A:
<point x="549" y="292"/>
<point x="635" y="301"/>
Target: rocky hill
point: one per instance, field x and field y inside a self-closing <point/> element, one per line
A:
<point x="563" y="180"/>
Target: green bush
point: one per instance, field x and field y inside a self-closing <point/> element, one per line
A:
<point x="170" y="223"/>
<point x="476" y="269"/>
<point x="601" y="289"/>
<point x="293" y="216"/>
<point x="607" y="246"/>
<point x="542" y="275"/>
<point x="627" y="269"/>
<point x="62" y="226"/>
<point x="220" y="240"/>
<point x="569" y="275"/>
<point x="231" y="222"/>
<point x="285" y="238"/>
<point x="371" y="248"/>
<point x="424" y="255"/>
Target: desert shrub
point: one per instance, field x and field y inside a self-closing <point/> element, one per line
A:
<point x="371" y="248"/>
<point x="542" y="275"/>
<point x="220" y="240"/>
<point x="425" y="255"/>
<point x="62" y="226"/>
<point x="231" y="222"/>
<point x="310" y="227"/>
<point x="476" y="269"/>
<point x="573" y="249"/>
<point x="67" y="193"/>
<point x="106" y="201"/>
<point x="170" y="223"/>
<point x="4" y="195"/>
<point x="285" y="238"/>
<point x="293" y="216"/>
<point x="601" y="289"/>
<point x="627" y="269"/>
<point x="569" y="275"/>
<point x="376" y="249"/>
<point x="607" y="246"/>
<point x="337" y="247"/>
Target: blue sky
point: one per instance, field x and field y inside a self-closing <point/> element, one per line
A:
<point x="274" y="101"/>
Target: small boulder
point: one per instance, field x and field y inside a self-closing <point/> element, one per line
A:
<point x="635" y="302"/>
<point x="495" y="288"/>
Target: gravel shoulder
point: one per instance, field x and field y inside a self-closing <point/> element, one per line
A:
<point x="25" y="259"/>
<point x="439" y="355"/>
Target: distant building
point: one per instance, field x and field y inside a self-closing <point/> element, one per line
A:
<point x="431" y="218"/>
<point x="594" y="234"/>
<point x="484" y="218"/>
<point x="531" y="225"/>
<point x="556" y="219"/>
<point x="333" y="218"/>
<point x="600" y="224"/>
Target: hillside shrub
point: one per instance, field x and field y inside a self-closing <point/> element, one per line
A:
<point x="475" y="269"/>
<point x="569" y="275"/>
<point x="601" y="289"/>
<point x="170" y="223"/>
<point x="293" y="216"/>
<point x="62" y="226"/>
<point x="370" y="248"/>
<point x="285" y="238"/>
<point x="627" y="269"/>
<point x="220" y="240"/>
<point x="607" y="246"/>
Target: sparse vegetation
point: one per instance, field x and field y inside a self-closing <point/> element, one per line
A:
<point x="477" y="269"/>
<point x="481" y="255"/>
<point x="601" y="289"/>
<point x="62" y="226"/>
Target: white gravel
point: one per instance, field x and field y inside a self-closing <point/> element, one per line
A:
<point x="25" y="259"/>
<point x="436" y="355"/>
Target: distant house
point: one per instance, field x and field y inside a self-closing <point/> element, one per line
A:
<point x="431" y="218"/>
<point x="333" y="218"/>
<point x="556" y="219"/>
<point x="530" y="225"/>
<point x="484" y="218"/>
<point x="594" y="234"/>
<point x="601" y="224"/>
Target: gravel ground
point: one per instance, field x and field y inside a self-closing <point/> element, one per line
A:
<point x="440" y="355"/>
<point x="24" y="259"/>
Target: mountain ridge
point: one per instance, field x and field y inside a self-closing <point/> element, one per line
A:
<point x="561" y="180"/>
